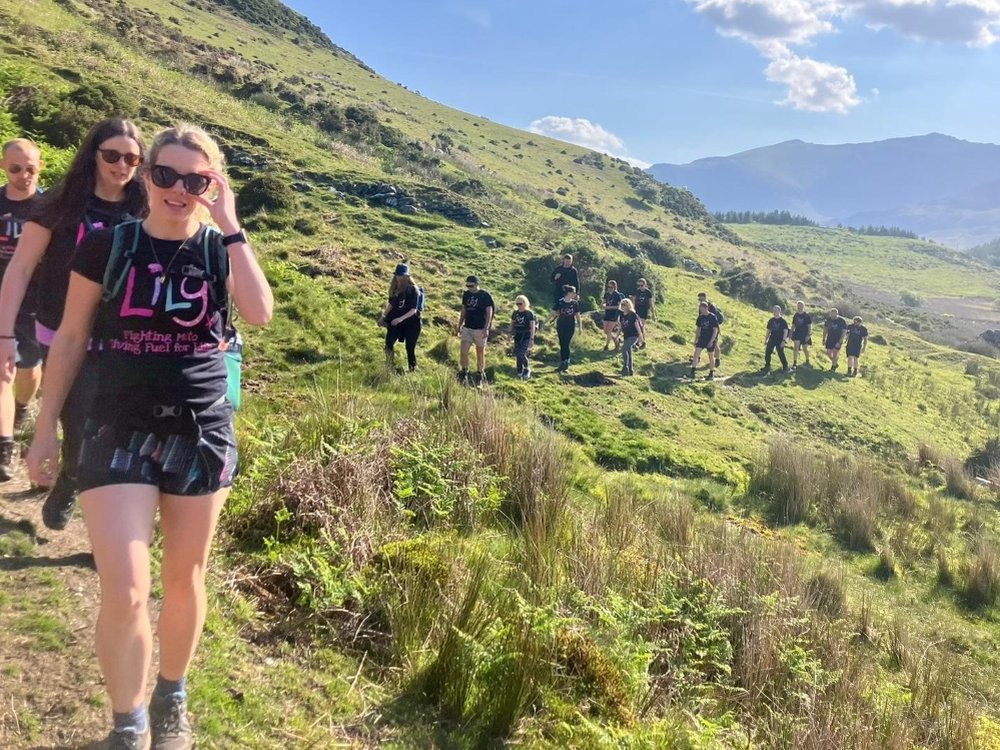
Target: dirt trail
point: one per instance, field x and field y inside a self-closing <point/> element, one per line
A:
<point x="51" y="693"/>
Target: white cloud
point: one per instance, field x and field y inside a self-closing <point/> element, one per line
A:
<point x="583" y="132"/>
<point x="775" y="27"/>
<point x="814" y="86"/>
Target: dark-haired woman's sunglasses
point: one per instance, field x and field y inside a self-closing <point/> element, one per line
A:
<point x="112" y="156"/>
<point x="166" y="177"/>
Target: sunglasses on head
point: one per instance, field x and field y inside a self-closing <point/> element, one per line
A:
<point x="113" y="156"/>
<point x="17" y="169"/>
<point x="166" y="177"/>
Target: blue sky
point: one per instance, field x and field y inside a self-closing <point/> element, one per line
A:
<point x="676" y="80"/>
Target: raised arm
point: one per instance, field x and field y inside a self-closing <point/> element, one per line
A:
<point x="247" y="283"/>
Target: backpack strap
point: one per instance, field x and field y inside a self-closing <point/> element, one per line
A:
<point x="217" y="266"/>
<point x="121" y="258"/>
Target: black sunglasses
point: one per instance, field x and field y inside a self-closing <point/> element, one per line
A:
<point x="112" y="156"/>
<point x="166" y="177"/>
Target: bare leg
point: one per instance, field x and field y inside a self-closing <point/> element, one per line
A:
<point x="26" y="383"/>
<point x="6" y="409"/>
<point x="188" y="525"/>
<point x="463" y="355"/>
<point x="481" y="358"/>
<point x="120" y="522"/>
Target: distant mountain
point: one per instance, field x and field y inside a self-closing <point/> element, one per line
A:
<point x="940" y="187"/>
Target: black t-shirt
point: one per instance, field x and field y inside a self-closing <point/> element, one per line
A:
<point x="568" y="310"/>
<point x="12" y="217"/>
<point x="776" y="328"/>
<point x="521" y="320"/>
<point x="566" y="276"/>
<point x="160" y="340"/>
<point x="706" y="323"/>
<point x="630" y="324"/>
<point x="856" y="333"/>
<point x="613" y="299"/>
<point x="642" y="299"/>
<point x="475" y="304"/>
<point x="402" y="303"/>
<point x="834" y="328"/>
<point x="801" y="323"/>
<point x="52" y="274"/>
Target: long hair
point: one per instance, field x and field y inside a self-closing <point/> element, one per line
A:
<point x="397" y="287"/>
<point x="64" y="204"/>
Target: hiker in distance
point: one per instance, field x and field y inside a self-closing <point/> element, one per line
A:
<point x="159" y="435"/>
<point x="523" y="326"/>
<point x="100" y="190"/>
<point x="833" y="336"/>
<point x="474" y="327"/>
<point x="568" y="322"/>
<point x="563" y="275"/>
<point x="706" y="337"/>
<point x="401" y="317"/>
<point x="22" y="162"/>
<point x="719" y="318"/>
<point x="801" y="334"/>
<point x="612" y="311"/>
<point x="774" y="339"/>
<point x="857" y="342"/>
<point x="633" y="332"/>
<point x="642" y="301"/>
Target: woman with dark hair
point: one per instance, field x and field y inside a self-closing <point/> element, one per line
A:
<point x="612" y="311"/>
<point x="402" y="316"/>
<point x="100" y="190"/>
<point x="159" y="437"/>
<point x="567" y="317"/>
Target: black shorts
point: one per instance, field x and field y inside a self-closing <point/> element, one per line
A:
<point x="29" y="351"/>
<point x="802" y="339"/>
<point x="832" y="344"/>
<point x="171" y="448"/>
<point x="853" y="351"/>
<point x="611" y="316"/>
<point x="703" y="342"/>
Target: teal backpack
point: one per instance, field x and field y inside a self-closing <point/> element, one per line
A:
<point x="216" y="271"/>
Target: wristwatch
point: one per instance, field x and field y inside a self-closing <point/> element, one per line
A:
<point x="232" y="239"/>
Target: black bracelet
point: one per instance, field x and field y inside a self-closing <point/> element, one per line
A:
<point x="7" y="338"/>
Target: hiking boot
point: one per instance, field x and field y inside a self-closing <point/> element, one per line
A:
<point x="711" y="375"/>
<point x="527" y="374"/>
<point x="58" y="507"/>
<point x="168" y="722"/>
<point x="691" y="375"/>
<point x="128" y="741"/>
<point x="8" y="451"/>
<point x="20" y="415"/>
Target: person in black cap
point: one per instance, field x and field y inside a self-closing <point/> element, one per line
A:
<point x="563" y="275"/>
<point x="474" y="327"/>
<point x="402" y="316"/>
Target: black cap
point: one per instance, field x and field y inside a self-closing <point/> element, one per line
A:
<point x="472" y="280"/>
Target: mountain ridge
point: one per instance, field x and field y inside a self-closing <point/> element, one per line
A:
<point x="916" y="182"/>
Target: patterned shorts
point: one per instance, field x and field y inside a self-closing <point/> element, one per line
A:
<point x="174" y="449"/>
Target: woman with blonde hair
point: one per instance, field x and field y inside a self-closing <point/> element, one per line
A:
<point x="633" y="332"/>
<point x="159" y="436"/>
<point x="523" y="326"/>
<point x="612" y="311"/>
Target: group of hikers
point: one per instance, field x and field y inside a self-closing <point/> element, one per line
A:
<point x="623" y="322"/>
<point x="123" y="281"/>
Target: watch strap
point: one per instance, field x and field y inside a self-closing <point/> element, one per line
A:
<point x="232" y="239"/>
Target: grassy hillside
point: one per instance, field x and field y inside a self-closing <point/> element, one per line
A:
<point x="579" y="561"/>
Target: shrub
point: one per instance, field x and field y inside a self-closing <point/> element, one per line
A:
<point x="826" y="592"/>
<point x="678" y="339"/>
<point x="910" y="299"/>
<point x="551" y="203"/>
<point x="787" y="476"/>
<point x="982" y="576"/>
<point x="269" y="193"/>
